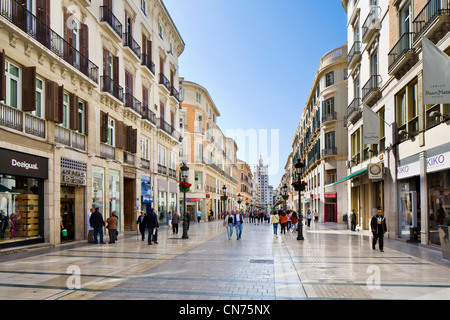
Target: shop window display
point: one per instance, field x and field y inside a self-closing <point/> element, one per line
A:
<point x="439" y="202"/>
<point x="20" y="208"/>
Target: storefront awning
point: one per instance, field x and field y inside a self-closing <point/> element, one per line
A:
<point x="4" y="189"/>
<point x="354" y="175"/>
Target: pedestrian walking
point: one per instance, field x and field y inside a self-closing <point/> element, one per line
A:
<point x="239" y="224"/>
<point x="199" y="216"/>
<point x="316" y="216"/>
<point x="289" y="221"/>
<point x="169" y="219"/>
<point x="141" y="225"/>
<point x="152" y="223"/>
<point x="294" y="221"/>
<point x="379" y="228"/>
<point x="112" y="227"/>
<point x="89" y="227"/>
<point x="97" y="224"/>
<point x="228" y="222"/>
<point x="283" y="221"/>
<point x="275" y="222"/>
<point x="175" y="222"/>
<point x="353" y="220"/>
<point x="309" y="217"/>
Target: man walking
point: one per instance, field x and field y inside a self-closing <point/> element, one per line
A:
<point x="379" y="228"/>
<point x="152" y="223"/>
<point x="238" y="223"/>
<point x="141" y="222"/>
<point x="97" y="223"/>
<point x="175" y="222"/>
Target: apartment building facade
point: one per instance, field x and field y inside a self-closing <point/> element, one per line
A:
<point x="83" y="103"/>
<point x="388" y="57"/>
<point x="320" y="141"/>
<point x="210" y="155"/>
<point x="245" y="186"/>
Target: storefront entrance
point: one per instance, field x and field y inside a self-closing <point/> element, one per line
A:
<point x="330" y="212"/>
<point x="67" y="213"/>
<point x="130" y="216"/>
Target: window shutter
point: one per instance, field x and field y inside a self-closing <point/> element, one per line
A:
<point x="51" y="97"/>
<point x="59" y="105"/>
<point x="134" y="142"/>
<point x="86" y="118"/>
<point x="2" y="76"/>
<point x="28" y="87"/>
<point x="104" y="127"/>
<point x="84" y="40"/>
<point x="119" y="134"/>
<point x="129" y="137"/>
<point x="74" y="116"/>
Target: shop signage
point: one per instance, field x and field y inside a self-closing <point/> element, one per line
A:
<point x="330" y="195"/>
<point x="375" y="171"/>
<point x="21" y="164"/>
<point x="146" y="189"/>
<point x="73" y="172"/>
<point x="434" y="163"/>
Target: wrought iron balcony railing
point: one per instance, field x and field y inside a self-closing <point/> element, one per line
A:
<point x="432" y="10"/>
<point x="133" y="103"/>
<point x="146" y="61"/>
<point x="110" y="86"/>
<point x="164" y="81"/>
<point x="107" y="16"/>
<point x="402" y="47"/>
<point x="14" y="12"/>
<point x="129" y="42"/>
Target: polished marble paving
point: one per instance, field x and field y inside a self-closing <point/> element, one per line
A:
<point x="331" y="263"/>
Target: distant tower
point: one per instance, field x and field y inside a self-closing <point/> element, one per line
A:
<point x="262" y="178"/>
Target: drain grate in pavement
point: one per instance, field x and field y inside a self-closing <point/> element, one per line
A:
<point x="262" y="261"/>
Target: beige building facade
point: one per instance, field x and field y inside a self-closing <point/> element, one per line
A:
<point x="388" y="58"/>
<point x="90" y="95"/>
<point x="209" y="154"/>
<point x="320" y="141"/>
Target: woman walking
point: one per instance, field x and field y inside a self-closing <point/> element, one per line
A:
<point x="112" y="227"/>
<point x="228" y="222"/>
<point x="275" y="221"/>
<point x="309" y="217"/>
<point x="283" y="221"/>
<point x="294" y="221"/>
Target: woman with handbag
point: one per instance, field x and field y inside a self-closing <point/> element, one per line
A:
<point x="112" y="227"/>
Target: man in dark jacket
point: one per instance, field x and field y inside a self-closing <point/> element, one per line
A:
<point x="175" y="222"/>
<point x="379" y="228"/>
<point x="141" y="223"/>
<point x="97" y="223"/>
<point x="151" y="220"/>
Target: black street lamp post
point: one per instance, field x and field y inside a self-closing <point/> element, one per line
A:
<point x="184" y="173"/>
<point x="299" y="170"/>
<point x="224" y="200"/>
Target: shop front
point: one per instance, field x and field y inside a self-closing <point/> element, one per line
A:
<point x="146" y="194"/>
<point x="424" y="182"/>
<point x="22" y="178"/>
<point x="72" y="200"/>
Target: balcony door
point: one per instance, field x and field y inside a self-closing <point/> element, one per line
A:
<point x="405" y="19"/>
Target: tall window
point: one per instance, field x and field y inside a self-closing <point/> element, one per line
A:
<point x="12" y="74"/>
<point x="162" y="155"/>
<point x="405" y="18"/>
<point x="329" y="78"/>
<point x="330" y="140"/>
<point x="81" y="117"/>
<point x="145" y="148"/>
<point x="111" y="132"/>
<point x="66" y="111"/>
<point x="39" y="112"/>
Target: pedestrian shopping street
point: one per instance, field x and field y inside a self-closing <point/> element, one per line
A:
<point x="331" y="263"/>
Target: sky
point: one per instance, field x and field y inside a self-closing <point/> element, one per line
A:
<point x="258" y="60"/>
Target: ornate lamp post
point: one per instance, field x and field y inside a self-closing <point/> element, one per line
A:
<point x="184" y="187"/>
<point x="285" y="196"/>
<point x="224" y="199"/>
<point x="239" y="201"/>
<point x="299" y="186"/>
